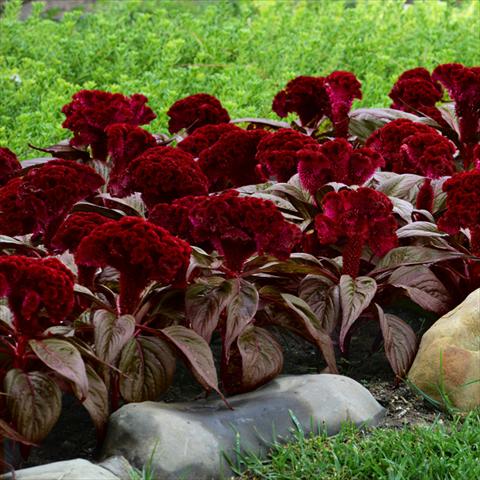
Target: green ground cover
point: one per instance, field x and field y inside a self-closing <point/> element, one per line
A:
<point x="442" y="451"/>
<point x="241" y="51"/>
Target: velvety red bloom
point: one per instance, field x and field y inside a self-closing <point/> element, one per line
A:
<point x="277" y="154"/>
<point x="357" y="218"/>
<point x="39" y="291"/>
<point x="204" y="137"/>
<point x="91" y="111"/>
<point x="124" y="143"/>
<point x="463" y="206"/>
<point x="163" y="174"/>
<point x="463" y="86"/>
<point x="195" y="111"/>
<point x="237" y="227"/>
<point x="388" y="141"/>
<point x="9" y="165"/>
<point x="75" y="227"/>
<point x="140" y="251"/>
<point x="38" y="202"/>
<point x="416" y="92"/>
<point x="313" y="98"/>
<point x="336" y="161"/>
<point x="231" y="162"/>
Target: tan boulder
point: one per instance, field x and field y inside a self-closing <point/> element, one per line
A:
<point x="449" y="356"/>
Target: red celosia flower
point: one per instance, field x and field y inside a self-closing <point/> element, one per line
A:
<point x="416" y="92"/>
<point x="163" y="174"/>
<point x="277" y="154"/>
<point x="76" y="226"/>
<point x="195" y="111"/>
<point x="140" y="251"/>
<point x="357" y="218"/>
<point x="463" y="86"/>
<point x="313" y="98"/>
<point x="389" y="139"/>
<point x="463" y="206"/>
<point x="336" y="161"/>
<point x="34" y="287"/>
<point x="124" y="143"/>
<point x="237" y="227"/>
<point x="204" y="137"/>
<point x="38" y="202"/>
<point x="92" y="111"/>
<point x="9" y="165"/>
<point x="230" y="162"/>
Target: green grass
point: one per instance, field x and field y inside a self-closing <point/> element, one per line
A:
<point x="242" y="51"/>
<point x="449" y="451"/>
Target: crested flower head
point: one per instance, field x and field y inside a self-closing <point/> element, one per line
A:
<point x="195" y="111"/>
<point x="204" y="137"/>
<point x="141" y="251"/>
<point x="74" y="228"/>
<point x="336" y="161"/>
<point x="313" y="98"/>
<point x="388" y="140"/>
<point x="463" y="206"/>
<point x="124" y="143"/>
<point x="162" y="174"/>
<point x="91" y="111"/>
<point x="9" y="165"/>
<point x="40" y="200"/>
<point x="277" y="154"/>
<point x="230" y="161"/>
<point x="463" y="86"/>
<point x="39" y="291"/>
<point x="357" y="218"/>
<point x="237" y="227"/>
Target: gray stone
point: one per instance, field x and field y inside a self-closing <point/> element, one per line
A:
<point x="191" y="440"/>
<point x="78" y="469"/>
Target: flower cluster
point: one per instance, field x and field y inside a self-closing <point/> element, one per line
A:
<point x="39" y="291"/>
<point x="204" y="137"/>
<point x="9" y="165"/>
<point x="163" y="174"/>
<point x="91" y="111"/>
<point x="231" y="161"/>
<point x="38" y="202"/>
<point x="140" y="251"/>
<point x="277" y="154"/>
<point x="463" y="86"/>
<point x="463" y="206"/>
<point x="124" y="143"/>
<point x="410" y="147"/>
<point x="416" y="92"/>
<point x="313" y="98"/>
<point x="336" y="161"/>
<point x="194" y="112"/>
<point x="235" y="226"/>
<point x="357" y="218"/>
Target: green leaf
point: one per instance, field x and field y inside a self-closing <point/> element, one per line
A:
<point x="62" y="357"/>
<point x="355" y="296"/>
<point x="242" y="307"/>
<point x="204" y="303"/>
<point x="84" y="292"/>
<point x="400" y="342"/>
<point x="7" y="431"/>
<point x="96" y="402"/>
<point x="323" y="297"/>
<point x="420" y="229"/>
<point x="111" y="333"/>
<point x="34" y="402"/>
<point x="148" y="364"/>
<point x="196" y="352"/>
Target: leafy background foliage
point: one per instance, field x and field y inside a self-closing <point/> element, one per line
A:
<point x="229" y="49"/>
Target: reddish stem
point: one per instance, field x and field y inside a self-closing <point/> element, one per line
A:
<point x="351" y="256"/>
